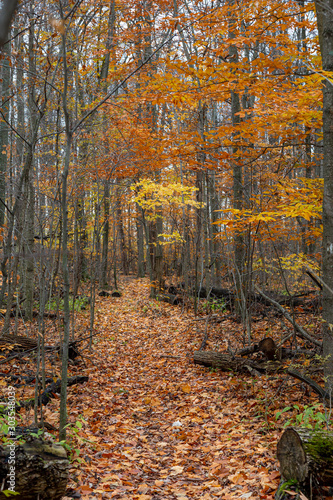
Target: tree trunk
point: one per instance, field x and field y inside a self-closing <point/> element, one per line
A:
<point x="65" y="267"/>
<point x="28" y="245"/>
<point x="324" y="10"/>
<point x="122" y="243"/>
<point x="28" y="248"/>
<point x="149" y="256"/>
<point x="6" y="14"/>
<point x="140" y="243"/>
<point x="5" y="89"/>
<point x="239" y="247"/>
<point x="158" y="275"/>
<point x="109" y="54"/>
<point x="198" y="239"/>
<point x="105" y="235"/>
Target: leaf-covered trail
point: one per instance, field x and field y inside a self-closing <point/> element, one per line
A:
<point x="160" y="427"/>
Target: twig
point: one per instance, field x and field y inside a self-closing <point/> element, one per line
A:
<point x="167" y="356"/>
<point x="210" y="316"/>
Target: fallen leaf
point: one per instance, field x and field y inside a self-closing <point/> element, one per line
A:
<point x="143" y="488"/>
<point x="177" y="469"/>
<point x="186" y="388"/>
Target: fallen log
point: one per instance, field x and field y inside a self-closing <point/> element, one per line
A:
<point x="280" y="353"/>
<point x="169" y="298"/>
<point x="53" y="389"/>
<point x="47" y="395"/>
<point x="220" y="360"/>
<point x="18" y="342"/>
<point x="203" y="293"/>
<point x="229" y="362"/>
<point x="312" y="383"/>
<point x="221" y="293"/>
<point x="21" y="344"/>
<point x="35" y="313"/>
<point x="306" y="461"/>
<point x="32" y="470"/>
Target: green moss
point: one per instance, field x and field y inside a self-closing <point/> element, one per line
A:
<point x="320" y="447"/>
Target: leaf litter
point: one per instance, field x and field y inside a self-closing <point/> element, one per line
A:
<point x="157" y="426"/>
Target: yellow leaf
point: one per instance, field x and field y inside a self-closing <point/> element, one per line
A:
<point x="237" y="478"/>
<point x="186" y="388"/>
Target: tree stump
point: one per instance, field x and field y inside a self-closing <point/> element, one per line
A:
<point x="35" y="469"/>
<point x="306" y="461"/>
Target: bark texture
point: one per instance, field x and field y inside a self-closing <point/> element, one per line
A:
<point x="325" y="27"/>
<point x="228" y="362"/>
<point x="41" y="471"/>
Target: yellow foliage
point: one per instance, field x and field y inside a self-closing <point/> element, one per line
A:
<point x="153" y="196"/>
<point x="157" y="198"/>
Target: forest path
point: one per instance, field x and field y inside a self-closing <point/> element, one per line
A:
<point x="161" y="427"/>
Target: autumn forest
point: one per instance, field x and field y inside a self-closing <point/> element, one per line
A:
<point x="166" y="248"/>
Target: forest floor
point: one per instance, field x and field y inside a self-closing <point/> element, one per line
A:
<point x="155" y="426"/>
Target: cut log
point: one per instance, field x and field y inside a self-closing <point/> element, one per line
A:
<point x="292" y="457"/>
<point x="248" y="350"/>
<point x="40" y="470"/>
<point x="306" y="459"/>
<point x="268" y="347"/>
